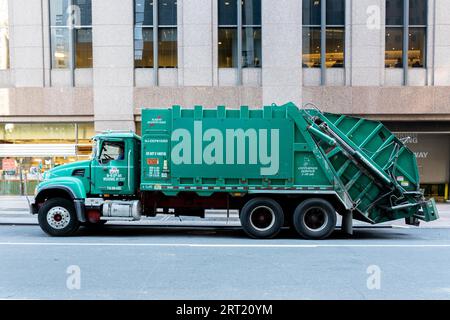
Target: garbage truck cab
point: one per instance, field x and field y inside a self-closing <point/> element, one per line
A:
<point x="279" y="166"/>
<point x="114" y="167"/>
<point x="113" y="171"/>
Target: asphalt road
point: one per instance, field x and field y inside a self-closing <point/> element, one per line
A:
<point x="179" y="263"/>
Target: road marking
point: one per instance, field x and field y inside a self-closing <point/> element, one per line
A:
<point x="196" y="245"/>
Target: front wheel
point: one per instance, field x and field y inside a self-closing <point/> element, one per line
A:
<point x="314" y="219"/>
<point x="262" y="218"/>
<point x="57" y="217"/>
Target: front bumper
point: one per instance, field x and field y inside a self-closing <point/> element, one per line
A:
<point x="34" y="208"/>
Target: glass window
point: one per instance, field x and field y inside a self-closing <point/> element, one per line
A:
<point x="167" y="48"/>
<point x="416" y="27"/>
<point x="71" y="25"/>
<point x="4" y="35"/>
<point x="417" y="37"/>
<point x="394" y="12"/>
<point x="227" y="47"/>
<point x="228" y="12"/>
<point x="71" y="13"/>
<point x="251" y="47"/>
<point x="59" y="10"/>
<point x="311" y="47"/>
<point x="335" y="47"/>
<point x="418" y="12"/>
<point x="143" y="13"/>
<point x="394" y="48"/>
<point x="229" y="37"/>
<point x="167" y="12"/>
<point x="83" y="46"/>
<point x="164" y="32"/>
<point x="85" y="132"/>
<point x="334" y="22"/>
<point x="251" y="12"/>
<point x="45" y="133"/>
<point x="311" y="12"/>
<point x="83" y="8"/>
<point x="336" y="12"/>
<point x="20" y="173"/>
<point x="143" y="47"/>
<point x="60" y="38"/>
<point x="416" y="48"/>
<point x="112" y="151"/>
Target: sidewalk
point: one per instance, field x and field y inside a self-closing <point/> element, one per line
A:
<point x="14" y="210"/>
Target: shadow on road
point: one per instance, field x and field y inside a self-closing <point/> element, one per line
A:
<point x="235" y="232"/>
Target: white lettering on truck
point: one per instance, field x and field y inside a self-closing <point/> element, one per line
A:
<point x="234" y="147"/>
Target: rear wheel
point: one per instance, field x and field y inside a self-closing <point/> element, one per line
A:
<point x="314" y="219"/>
<point x="262" y="218"/>
<point x="57" y="217"/>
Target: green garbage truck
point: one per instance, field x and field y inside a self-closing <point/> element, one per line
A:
<point x="279" y="166"/>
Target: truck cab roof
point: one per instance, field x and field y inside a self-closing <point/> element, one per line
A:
<point x="117" y="134"/>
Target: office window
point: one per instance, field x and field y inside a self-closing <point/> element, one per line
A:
<point x="251" y="33"/>
<point x="143" y="34"/>
<point x="415" y="27"/>
<point x="394" y="12"/>
<point x="228" y="47"/>
<point x="417" y="39"/>
<point x="155" y="27"/>
<point x="394" y="47"/>
<point x="311" y="47"/>
<point x="335" y="33"/>
<point x="239" y="34"/>
<point x="330" y="28"/>
<point x="228" y="34"/>
<point x="417" y="47"/>
<point x="71" y="33"/>
<point x="4" y="35"/>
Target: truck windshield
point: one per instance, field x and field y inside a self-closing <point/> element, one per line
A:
<point x="94" y="149"/>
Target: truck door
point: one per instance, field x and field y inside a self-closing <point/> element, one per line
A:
<point x="113" y="168"/>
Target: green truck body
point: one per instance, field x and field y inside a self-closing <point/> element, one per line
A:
<point x="279" y="165"/>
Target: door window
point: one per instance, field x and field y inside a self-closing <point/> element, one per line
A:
<point x="112" y="150"/>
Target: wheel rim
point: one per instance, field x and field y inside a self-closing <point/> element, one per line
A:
<point x="58" y="217"/>
<point x="315" y="219"/>
<point x="262" y="218"/>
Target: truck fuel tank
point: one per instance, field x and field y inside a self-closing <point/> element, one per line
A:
<point x="120" y="210"/>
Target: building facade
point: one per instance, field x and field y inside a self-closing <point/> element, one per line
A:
<point x="70" y="68"/>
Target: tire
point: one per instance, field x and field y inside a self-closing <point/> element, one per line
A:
<point x="262" y="218"/>
<point x="57" y="217"/>
<point x="314" y="219"/>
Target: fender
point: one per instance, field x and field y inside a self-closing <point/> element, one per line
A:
<point x="70" y="185"/>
